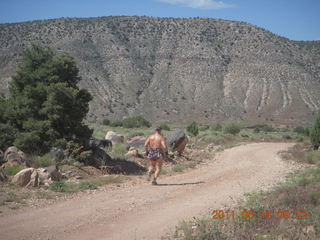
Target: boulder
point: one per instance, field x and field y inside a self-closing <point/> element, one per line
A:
<point x="31" y="177"/>
<point x="114" y="138"/>
<point x="44" y="177"/>
<point x="13" y="156"/>
<point x="287" y="137"/>
<point x="99" y="158"/>
<point x="34" y="180"/>
<point x="175" y="138"/>
<point x="49" y="174"/>
<point x="95" y="143"/>
<point x="137" y="142"/>
<point x="23" y="177"/>
<point x="3" y="177"/>
<point x="54" y="173"/>
<point x="1" y="157"/>
<point x="133" y="152"/>
<point x="181" y="147"/>
<point x="57" y="154"/>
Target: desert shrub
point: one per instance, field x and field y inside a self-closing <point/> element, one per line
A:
<point x="299" y="138"/>
<point x="232" y="128"/>
<point x="85" y="185"/>
<point x="60" y="186"/>
<point x="213" y="138"/>
<point x="115" y="124"/>
<point x="266" y="128"/>
<point x="12" y="170"/>
<point x="284" y="129"/>
<point x="135" y="122"/>
<point x="106" y="122"/>
<point x="216" y="127"/>
<point x="315" y="132"/>
<point x="256" y="130"/>
<point x="165" y="127"/>
<point x="119" y="151"/>
<point x="193" y="129"/>
<point x="203" y="127"/>
<point x="135" y="134"/>
<point x="78" y="164"/>
<point x="41" y="161"/>
<point x="301" y="130"/>
<point x="313" y="157"/>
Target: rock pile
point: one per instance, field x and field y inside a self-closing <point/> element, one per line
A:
<point x="31" y="177"/>
<point x="13" y="156"/>
<point x="114" y="138"/>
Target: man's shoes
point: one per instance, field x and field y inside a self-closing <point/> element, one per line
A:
<point x="149" y="176"/>
<point x="154" y="182"/>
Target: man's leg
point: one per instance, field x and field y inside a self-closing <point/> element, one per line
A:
<point x="152" y="165"/>
<point x="158" y="169"/>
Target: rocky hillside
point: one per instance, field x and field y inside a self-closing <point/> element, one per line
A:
<point x="176" y="70"/>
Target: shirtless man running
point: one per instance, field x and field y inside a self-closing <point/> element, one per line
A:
<point x="156" y="150"/>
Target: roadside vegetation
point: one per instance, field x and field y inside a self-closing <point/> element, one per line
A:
<point x="89" y="184"/>
<point x="289" y="211"/>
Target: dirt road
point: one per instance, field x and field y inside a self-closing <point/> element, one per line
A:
<point x="141" y="211"/>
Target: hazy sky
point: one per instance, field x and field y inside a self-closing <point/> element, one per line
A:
<point x="294" y="19"/>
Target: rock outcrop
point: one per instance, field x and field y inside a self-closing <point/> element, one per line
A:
<point x="137" y="143"/>
<point x="31" y="177"/>
<point x="13" y="156"/>
<point x="175" y="138"/>
<point x="99" y="158"/>
<point x="114" y="138"/>
<point x="23" y="177"/>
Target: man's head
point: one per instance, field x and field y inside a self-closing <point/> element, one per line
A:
<point x="158" y="129"/>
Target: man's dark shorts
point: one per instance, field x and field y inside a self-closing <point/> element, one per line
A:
<point x="155" y="154"/>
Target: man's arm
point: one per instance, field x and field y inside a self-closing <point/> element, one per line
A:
<point x="146" y="145"/>
<point x="164" y="145"/>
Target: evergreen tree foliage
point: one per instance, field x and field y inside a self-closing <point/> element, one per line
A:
<point x="45" y="107"/>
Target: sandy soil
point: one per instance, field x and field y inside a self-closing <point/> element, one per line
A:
<point x="141" y="211"/>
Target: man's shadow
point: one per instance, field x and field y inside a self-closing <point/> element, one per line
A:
<point x="179" y="184"/>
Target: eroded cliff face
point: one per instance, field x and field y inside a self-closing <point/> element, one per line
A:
<point x="177" y="70"/>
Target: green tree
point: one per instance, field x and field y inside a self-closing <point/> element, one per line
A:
<point x="193" y="128"/>
<point x="315" y="132"/>
<point x="45" y="105"/>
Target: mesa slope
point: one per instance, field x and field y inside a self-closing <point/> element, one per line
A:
<point x="179" y="69"/>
